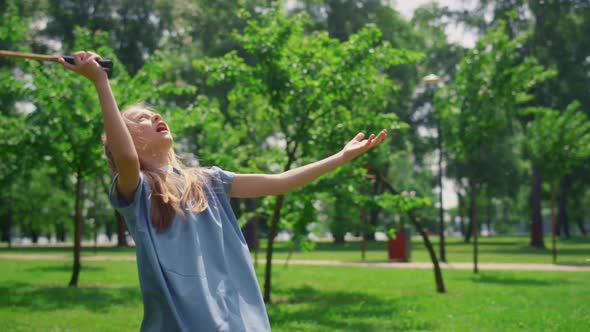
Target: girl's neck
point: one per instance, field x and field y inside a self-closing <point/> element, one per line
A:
<point x="156" y="160"/>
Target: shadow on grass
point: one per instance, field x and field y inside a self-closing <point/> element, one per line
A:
<point x="576" y="239"/>
<point x="63" y="268"/>
<point x="95" y="298"/>
<point x="482" y="243"/>
<point x="514" y="281"/>
<point x="565" y="262"/>
<point x="352" y="246"/>
<point x="331" y="310"/>
<point x="64" y="250"/>
<point x="541" y="251"/>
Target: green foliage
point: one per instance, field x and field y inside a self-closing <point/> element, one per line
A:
<point x="51" y="202"/>
<point x="68" y="114"/>
<point x="390" y="233"/>
<point x="65" y="126"/>
<point x="16" y="135"/>
<point x="12" y="27"/>
<point x="405" y="201"/>
<point x="296" y="97"/>
<point x="308" y="80"/>
<point x="491" y="85"/>
<point x="559" y="141"/>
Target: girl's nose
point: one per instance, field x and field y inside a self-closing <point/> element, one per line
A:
<point x="156" y="118"/>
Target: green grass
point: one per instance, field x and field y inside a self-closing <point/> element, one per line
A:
<point x="66" y="249"/>
<point x="513" y="249"/>
<point x="33" y="297"/>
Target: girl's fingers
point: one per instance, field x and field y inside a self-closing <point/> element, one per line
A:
<point x="94" y="59"/>
<point x="65" y="64"/>
<point x="78" y="57"/>
<point x="370" y="140"/>
<point x="376" y="140"/>
<point x="89" y="58"/>
<point x="96" y="56"/>
<point x="359" y="137"/>
<point x="381" y="136"/>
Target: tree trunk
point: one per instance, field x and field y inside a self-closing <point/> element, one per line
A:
<point x="373" y="220"/>
<point x="250" y="231"/>
<point x="363" y="233"/>
<point x="489" y="212"/>
<point x="461" y="213"/>
<point x="581" y="226"/>
<point x="441" y="218"/>
<point x="337" y="227"/>
<point x="34" y="236"/>
<point x="121" y="228"/>
<point x="7" y="224"/>
<point x="440" y="286"/>
<point x="553" y="225"/>
<point x="536" y="220"/>
<point x="473" y="209"/>
<point x="471" y="217"/>
<point x="108" y="229"/>
<point x="60" y="232"/>
<point x="269" y="248"/>
<point x="374" y="212"/>
<point x="272" y="232"/>
<point x="562" y="220"/>
<point x="77" y="230"/>
<point x="94" y="217"/>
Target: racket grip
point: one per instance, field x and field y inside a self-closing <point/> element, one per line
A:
<point x="106" y="64"/>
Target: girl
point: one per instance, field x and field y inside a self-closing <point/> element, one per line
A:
<point x="194" y="267"/>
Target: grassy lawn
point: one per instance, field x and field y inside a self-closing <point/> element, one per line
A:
<point x="33" y="297"/>
<point x="491" y="250"/>
<point x="512" y="249"/>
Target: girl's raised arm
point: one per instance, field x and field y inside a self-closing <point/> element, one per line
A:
<point x="118" y="137"/>
<point x="256" y="185"/>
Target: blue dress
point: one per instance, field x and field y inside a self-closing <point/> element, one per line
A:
<point x="197" y="275"/>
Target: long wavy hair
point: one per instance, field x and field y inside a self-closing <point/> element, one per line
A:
<point x="168" y="198"/>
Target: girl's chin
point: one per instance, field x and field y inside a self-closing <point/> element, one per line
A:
<point x="164" y="137"/>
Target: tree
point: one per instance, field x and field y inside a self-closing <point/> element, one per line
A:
<point x="313" y="89"/>
<point x="15" y="136"/>
<point x="409" y="204"/>
<point x="341" y="19"/>
<point x="558" y="142"/>
<point x="559" y="40"/>
<point x="492" y="82"/>
<point x="442" y="58"/>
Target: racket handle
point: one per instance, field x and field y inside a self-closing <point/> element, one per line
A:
<point x="106" y="64"/>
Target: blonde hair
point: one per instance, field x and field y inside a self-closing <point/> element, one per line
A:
<point x="167" y="198"/>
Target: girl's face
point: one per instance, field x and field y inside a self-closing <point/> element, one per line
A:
<point x="150" y="133"/>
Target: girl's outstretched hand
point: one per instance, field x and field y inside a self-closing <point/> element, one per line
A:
<point x="358" y="146"/>
<point x="85" y="63"/>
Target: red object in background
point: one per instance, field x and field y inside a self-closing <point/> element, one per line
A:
<point x="398" y="248"/>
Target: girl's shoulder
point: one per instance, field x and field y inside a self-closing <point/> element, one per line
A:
<point x="220" y="178"/>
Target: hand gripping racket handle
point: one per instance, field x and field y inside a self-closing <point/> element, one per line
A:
<point x="106" y="64"/>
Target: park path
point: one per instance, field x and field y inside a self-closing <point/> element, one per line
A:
<point x="398" y="265"/>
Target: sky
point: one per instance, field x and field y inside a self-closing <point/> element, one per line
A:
<point x="406" y="8"/>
